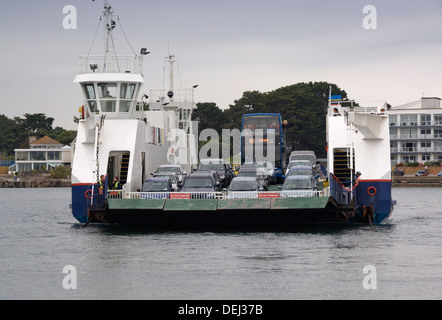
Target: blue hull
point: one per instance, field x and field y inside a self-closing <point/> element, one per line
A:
<point x="81" y="200"/>
<point x="375" y="193"/>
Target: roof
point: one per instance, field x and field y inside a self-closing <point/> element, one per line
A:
<point x="169" y="165"/>
<point x="201" y="174"/>
<point x="157" y="179"/>
<point x="46" y="141"/>
<point x="423" y="103"/>
<point x="244" y="179"/>
<point x="298" y="177"/>
<point x="210" y="160"/>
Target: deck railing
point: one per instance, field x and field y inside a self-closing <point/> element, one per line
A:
<point x="111" y="64"/>
<point x="219" y="195"/>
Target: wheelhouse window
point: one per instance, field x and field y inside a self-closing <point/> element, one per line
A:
<point x="108" y="94"/>
<point x="107" y="90"/>
<point x="127" y="91"/>
<point x="89" y="92"/>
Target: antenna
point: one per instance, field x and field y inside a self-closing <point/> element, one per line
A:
<point x="171" y="60"/>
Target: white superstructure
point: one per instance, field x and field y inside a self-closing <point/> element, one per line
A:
<point x="119" y="135"/>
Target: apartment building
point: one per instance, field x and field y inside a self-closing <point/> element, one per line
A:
<point x="416" y="131"/>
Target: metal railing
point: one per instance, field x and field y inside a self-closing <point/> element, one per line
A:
<point x="223" y="195"/>
<point x="120" y="64"/>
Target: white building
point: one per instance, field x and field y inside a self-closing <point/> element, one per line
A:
<point x="44" y="154"/>
<point x="416" y="131"/>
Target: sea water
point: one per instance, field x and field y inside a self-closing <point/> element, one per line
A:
<point x="46" y="254"/>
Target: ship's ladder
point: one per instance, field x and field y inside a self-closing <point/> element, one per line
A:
<point x="124" y="168"/>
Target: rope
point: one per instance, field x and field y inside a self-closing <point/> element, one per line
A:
<point x="95" y="36"/>
<point x="124" y="34"/>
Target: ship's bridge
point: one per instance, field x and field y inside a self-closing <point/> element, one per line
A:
<point x="109" y="87"/>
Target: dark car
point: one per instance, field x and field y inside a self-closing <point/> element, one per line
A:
<point x="176" y="168"/>
<point x="303" y="171"/>
<point x="257" y="174"/>
<point x="298" y="186"/>
<point x="204" y="182"/>
<point x="243" y="188"/>
<point x="156" y="188"/>
<point x="398" y="172"/>
<point x="223" y="169"/>
<point x="244" y="184"/>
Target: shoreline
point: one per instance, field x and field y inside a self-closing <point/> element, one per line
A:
<point x="396" y="182"/>
<point x="49" y="183"/>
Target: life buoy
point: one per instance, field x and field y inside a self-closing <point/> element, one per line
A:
<point x="371" y="191"/>
<point x="88" y="193"/>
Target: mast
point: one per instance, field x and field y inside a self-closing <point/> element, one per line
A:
<point x="171" y="60"/>
<point x="109" y="52"/>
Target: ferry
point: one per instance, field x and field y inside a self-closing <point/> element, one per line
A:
<point x="118" y="138"/>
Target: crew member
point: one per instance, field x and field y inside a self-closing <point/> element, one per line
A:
<point x="116" y="184"/>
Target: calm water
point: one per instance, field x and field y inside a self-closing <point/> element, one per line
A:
<point x="38" y="237"/>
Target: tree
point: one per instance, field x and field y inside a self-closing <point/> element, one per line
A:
<point x="209" y="116"/>
<point x="15" y="132"/>
<point x="11" y="135"/>
<point x="37" y="121"/>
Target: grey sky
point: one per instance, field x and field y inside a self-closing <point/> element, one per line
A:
<point x="226" y="47"/>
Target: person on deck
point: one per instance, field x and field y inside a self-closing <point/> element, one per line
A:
<point x="116" y="184"/>
<point x="336" y="112"/>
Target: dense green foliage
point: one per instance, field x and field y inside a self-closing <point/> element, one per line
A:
<point x="60" y="172"/>
<point x="303" y="105"/>
<point x="14" y="133"/>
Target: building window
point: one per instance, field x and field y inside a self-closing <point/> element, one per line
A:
<point x="393" y="133"/>
<point x="393" y="146"/>
<point x="40" y="166"/>
<point x="37" y="155"/>
<point x="409" y="147"/>
<point x="426" y="146"/>
<point x="425" y="157"/>
<point x="408" y="158"/>
<point x="24" y="167"/>
<point x="54" y="155"/>
<point x="408" y="133"/>
<point x="437" y="133"/>
<point x="22" y="156"/>
<point x="392" y="120"/>
<point x="426" y="133"/>
<point x="409" y="120"/>
<point x="438" y="119"/>
<point x="425" y="119"/>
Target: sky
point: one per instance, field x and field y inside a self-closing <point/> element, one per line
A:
<point x="226" y="47"/>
